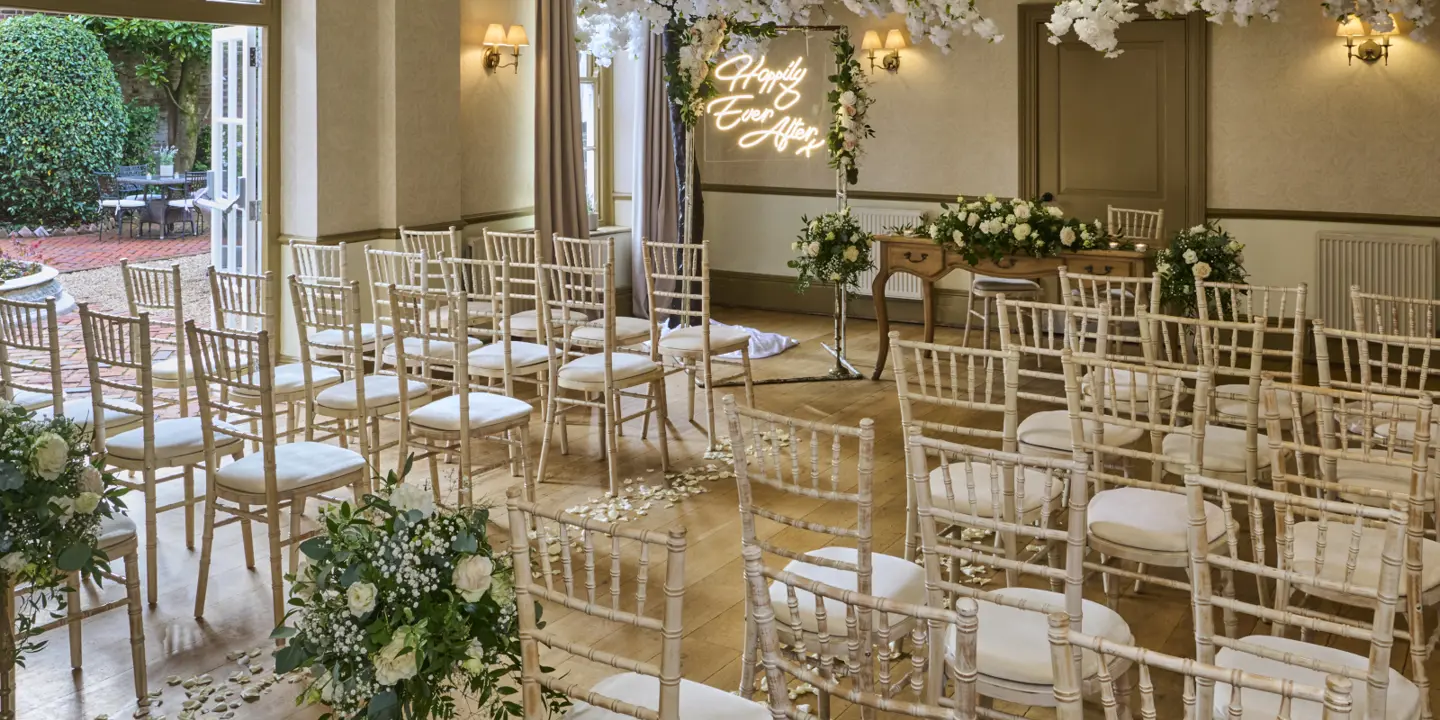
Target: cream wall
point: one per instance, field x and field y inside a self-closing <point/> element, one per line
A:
<point x="497" y="128"/>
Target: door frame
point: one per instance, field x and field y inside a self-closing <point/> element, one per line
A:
<point x="1033" y="17"/>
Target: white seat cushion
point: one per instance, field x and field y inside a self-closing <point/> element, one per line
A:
<point x="1051" y="429"/>
<point x="628" y="331"/>
<point x="1004" y="285"/>
<point x="185" y="204"/>
<point x="1224" y="450"/>
<point x="431" y="349"/>
<point x="522" y="355"/>
<point x="169" y="369"/>
<point x="81" y="410"/>
<point x="474" y="310"/>
<point x="1012" y="643"/>
<point x="1402" y="701"/>
<point x="32" y="400"/>
<point x="173" y="438"/>
<point x="591" y="368"/>
<point x="1375" y="476"/>
<point x="1127" y="384"/>
<point x="115" y="529"/>
<point x="1231" y="402"/>
<point x="380" y="390"/>
<point x="486" y="410"/>
<point x="890" y="577"/>
<point x="297" y="465"/>
<point x="1148" y="519"/>
<point x="692" y="339"/>
<point x="1029" y="498"/>
<point x="290" y="378"/>
<point x="1405" y="430"/>
<point x="525" y="320"/>
<point x="697" y="701"/>
<point x="336" y="336"/>
<point x="125" y="203"/>
<point x="1338" y="538"/>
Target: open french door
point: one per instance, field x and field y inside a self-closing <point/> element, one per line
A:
<point x="235" y="149"/>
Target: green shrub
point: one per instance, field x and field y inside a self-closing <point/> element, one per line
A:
<point x="202" y="149"/>
<point x="61" y="120"/>
<point x="142" y="122"/>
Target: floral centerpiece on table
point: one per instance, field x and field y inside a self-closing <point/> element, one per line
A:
<point x="1204" y="252"/>
<point x="989" y="228"/>
<point x="53" y="496"/>
<point x="832" y="248"/>
<point x="850" y="102"/>
<point x="401" y="607"/>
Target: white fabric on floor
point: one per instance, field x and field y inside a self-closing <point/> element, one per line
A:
<point x="762" y="344"/>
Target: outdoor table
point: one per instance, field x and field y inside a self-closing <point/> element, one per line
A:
<point x="156" y="209"/>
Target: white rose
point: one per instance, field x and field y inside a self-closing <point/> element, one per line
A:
<point x="1239" y="258"/>
<point x="995" y="205"/>
<point x="934" y="229"/>
<point x="1067" y="236"/>
<point x="1022" y="231"/>
<point x="67" y="507"/>
<point x="973" y="206"/>
<point x="972" y="220"/>
<point x="1234" y="246"/>
<point x="847" y="98"/>
<point x="361" y="598"/>
<point x="86" y="503"/>
<point x="1202" y="270"/>
<point x="813" y="249"/>
<point x="957" y="236"/>
<point x="1191" y="257"/>
<point x="394" y="663"/>
<point x="990" y="198"/>
<point x="1022" y="212"/>
<point x="474" y="662"/>
<point x="835" y="277"/>
<point x="1198" y="229"/>
<point x="51" y="453"/>
<point x="405" y="498"/>
<point x="852" y="254"/>
<point x="12" y="563"/>
<point x="472" y="577"/>
<point x="1055" y="212"/>
<point x="92" y="480"/>
<point x="846" y="122"/>
<point x="815" y="226"/>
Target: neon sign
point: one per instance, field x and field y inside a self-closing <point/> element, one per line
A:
<point x="748" y="78"/>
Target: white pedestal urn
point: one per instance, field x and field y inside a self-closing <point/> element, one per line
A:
<point x="39" y="286"/>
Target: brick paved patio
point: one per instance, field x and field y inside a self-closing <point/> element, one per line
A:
<point x="68" y="253"/>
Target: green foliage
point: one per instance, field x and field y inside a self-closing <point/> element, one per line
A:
<point x="144" y="121"/>
<point x="832" y="248"/>
<point x="850" y="101"/>
<point x="202" y="149"/>
<point x="61" y="120"/>
<point x="988" y="228"/>
<point x="1205" y="252"/>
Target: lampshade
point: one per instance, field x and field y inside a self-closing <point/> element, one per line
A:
<point x="517" y="36"/>
<point x="871" y="41"/>
<point x="894" y="40"/>
<point x="494" y="35"/>
<point x="1351" y="28"/>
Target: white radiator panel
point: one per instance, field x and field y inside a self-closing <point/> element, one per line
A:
<point x="1401" y="265"/>
<point x="878" y="221"/>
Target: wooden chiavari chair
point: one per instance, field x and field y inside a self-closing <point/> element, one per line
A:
<point x="121" y="345"/>
<point x="1123" y="295"/>
<point x="1033" y="549"/>
<point x="525" y="253"/>
<point x="643" y="689"/>
<point x="490" y="284"/>
<point x="1282" y="309"/>
<point x="578" y="254"/>
<point x="1399" y="365"/>
<point x="1136" y="225"/>
<point x="331" y="338"/>
<point x="1310" y="561"/>
<point x="319" y="263"/>
<point x="839" y="555"/>
<point x="475" y="279"/>
<point x="570" y="292"/>
<point x="276" y="478"/>
<point x="437" y="246"/>
<point x="1392" y="315"/>
<point x="933" y="632"/>
<point x="155" y="290"/>
<point x="677" y="281"/>
<point x="406" y="271"/>
<point x="1158" y="692"/>
<point x="465" y="412"/>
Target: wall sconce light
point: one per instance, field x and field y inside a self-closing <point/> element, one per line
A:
<point x="894" y="42"/>
<point x="496" y="38"/>
<point x="1369" y="51"/>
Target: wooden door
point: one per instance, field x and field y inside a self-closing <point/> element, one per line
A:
<point x="1125" y="131"/>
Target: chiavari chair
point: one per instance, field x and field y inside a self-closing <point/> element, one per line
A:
<point x="437" y="246"/>
<point x="1136" y="225"/>
<point x="910" y="688"/>
<point x="595" y="254"/>
<point x="406" y="271"/>
<point x="1318" y="541"/>
<point x="568" y="293"/>
<point x="525" y="253"/>
<point x="319" y="263"/>
<point x="157" y="291"/>
<point x="490" y="283"/>
<point x="1282" y="308"/>
<point x="1158" y="696"/>
<point x="677" y="282"/>
<point x="545" y="539"/>
<point x="475" y="279"/>
<point x="1036" y="548"/>
<point x="1399" y="365"/>
<point x="121" y="345"/>
<point x="1393" y="315"/>
<point x="795" y="459"/>
<point x="277" y="478"/>
<point x="465" y="412"/>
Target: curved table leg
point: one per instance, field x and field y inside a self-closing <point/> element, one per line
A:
<point x="927" y="294"/>
<point x="882" y="320"/>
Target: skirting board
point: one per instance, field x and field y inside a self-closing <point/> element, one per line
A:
<point x="777" y="292"/>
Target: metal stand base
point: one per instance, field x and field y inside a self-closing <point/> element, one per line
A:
<point x="843" y="371"/>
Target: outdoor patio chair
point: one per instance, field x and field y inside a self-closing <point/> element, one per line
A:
<point x="197" y="184"/>
<point x="114" y="203"/>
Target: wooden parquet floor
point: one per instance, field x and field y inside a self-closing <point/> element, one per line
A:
<point x="238" y="617"/>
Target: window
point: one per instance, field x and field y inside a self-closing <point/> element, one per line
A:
<point x="594" y="135"/>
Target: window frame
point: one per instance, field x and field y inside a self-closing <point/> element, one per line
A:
<point x="599" y="79"/>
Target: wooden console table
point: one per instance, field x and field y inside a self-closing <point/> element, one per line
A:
<point x="928" y="261"/>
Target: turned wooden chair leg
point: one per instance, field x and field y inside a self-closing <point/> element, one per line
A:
<point x="73" y="615"/>
<point x="207" y="542"/>
<point x="246" y="538"/>
<point x="137" y="627"/>
<point x="152" y="540"/>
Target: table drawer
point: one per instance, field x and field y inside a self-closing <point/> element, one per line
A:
<point x="925" y="260"/>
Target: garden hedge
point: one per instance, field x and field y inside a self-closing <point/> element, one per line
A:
<point x="62" y="120"/>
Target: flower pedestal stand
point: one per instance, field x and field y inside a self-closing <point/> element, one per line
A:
<point x="843" y="370"/>
<point x="7" y="649"/>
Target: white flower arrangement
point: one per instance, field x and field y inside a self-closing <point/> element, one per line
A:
<point x="53" y="497"/>
<point x="1203" y="252"/>
<point x="833" y="248"/>
<point x="987" y="229"/>
<point x="400" y="607"/>
<point x="850" y="102"/>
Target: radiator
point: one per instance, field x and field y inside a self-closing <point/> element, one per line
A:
<point x="879" y="221"/>
<point x="1401" y="265"/>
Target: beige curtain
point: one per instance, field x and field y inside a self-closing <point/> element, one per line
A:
<point x="559" y="157"/>
<point x="655" y="213"/>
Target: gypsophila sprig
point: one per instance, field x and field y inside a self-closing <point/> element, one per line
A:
<point x="989" y="228"/>
<point x="849" y="102"/>
<point x="400" y="609"/>
<point x="53" y="497"/>
<point x="1203" y="252"/>
<point x="832" y="248"/>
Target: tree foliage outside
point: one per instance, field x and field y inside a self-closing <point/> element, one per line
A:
<point x="62" y="120"/>
<point x="144" y="121"/>
<point x="172" y="56"/>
